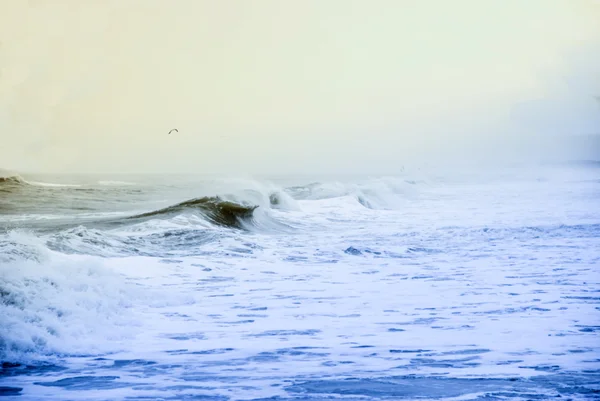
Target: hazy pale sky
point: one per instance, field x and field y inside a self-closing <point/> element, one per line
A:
<point x="271" y="86"/>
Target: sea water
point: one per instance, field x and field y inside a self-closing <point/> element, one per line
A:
<point x="455" y="285"/>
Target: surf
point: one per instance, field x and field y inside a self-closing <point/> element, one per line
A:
<point x="216" y="210"/>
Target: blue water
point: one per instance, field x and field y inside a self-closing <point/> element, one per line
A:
<point x="474" y="286"/>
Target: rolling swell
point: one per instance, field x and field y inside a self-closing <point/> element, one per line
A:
<point x="8" y="183"/>
<point x="217" y="210"/>
<point x="11" y="180"/>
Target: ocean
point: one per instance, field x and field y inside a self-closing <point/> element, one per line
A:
<point x="451" y="284"/>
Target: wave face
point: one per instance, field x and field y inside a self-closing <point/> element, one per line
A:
<point x="415" y="286"/>
<point x="216" y="210"/>
<point x="15" y="180"/>
<point x="10" y="183"/>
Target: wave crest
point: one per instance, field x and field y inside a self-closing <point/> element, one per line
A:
<point x="217" y="210"/>
<point x="12" y="181"/>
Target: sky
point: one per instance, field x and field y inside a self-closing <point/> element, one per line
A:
<point x="268" y="86"/>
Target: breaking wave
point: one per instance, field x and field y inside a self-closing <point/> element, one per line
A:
<point x="16" y="181"/>
<point x="381" y="193"/>
<point x="12" y="181"/>
<point x="218" y="211"/>
<point x="52" y="184"/>
<point x="54" y="305"/>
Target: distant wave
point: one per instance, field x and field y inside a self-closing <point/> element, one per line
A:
<point x="12" y="180"/>
<point x="380" y="193"/>
<point x="218" y="211"/>
<point x="51" y="184"/>
<point x="116" y="183"/>
<point x="17" y="180"/>
<point x="11" y="183"/>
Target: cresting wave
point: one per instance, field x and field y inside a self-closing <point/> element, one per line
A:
<point x="216" y="210"/>
<point x="12" y="181"/>
<point x="15" y="183"/>
<point x="228" y="211"/>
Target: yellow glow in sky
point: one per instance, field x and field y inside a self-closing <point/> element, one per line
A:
<point x="266" y="85"/>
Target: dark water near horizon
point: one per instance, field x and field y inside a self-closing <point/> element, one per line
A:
<point x="457" y="285"/>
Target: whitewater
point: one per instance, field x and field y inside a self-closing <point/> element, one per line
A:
<point x="454" y="284"/>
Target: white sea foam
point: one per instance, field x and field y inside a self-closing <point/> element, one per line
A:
<point x="51" y="184"/>
<point x="55" y="304"/>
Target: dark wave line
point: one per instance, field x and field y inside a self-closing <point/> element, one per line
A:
<point x="216" y="210"/>
<point x="12" y="180"/>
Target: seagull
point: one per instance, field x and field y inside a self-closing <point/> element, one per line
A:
<point x="174" y="129"/>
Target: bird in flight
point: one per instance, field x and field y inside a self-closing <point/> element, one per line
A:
<point x="174" y="129"/>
